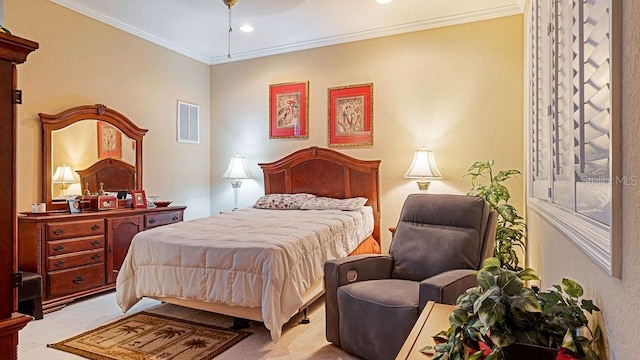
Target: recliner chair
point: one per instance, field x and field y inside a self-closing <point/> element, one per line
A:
<point x="373" y="301"/>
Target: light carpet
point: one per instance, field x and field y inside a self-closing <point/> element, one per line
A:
<point x="298" y="341"/>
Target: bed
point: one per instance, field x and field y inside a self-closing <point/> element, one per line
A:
<point x="274" y="267"/>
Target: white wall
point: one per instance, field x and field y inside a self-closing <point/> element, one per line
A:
<point x="456" y="90"/>
<point x="559" y="257"/>
<point x="82" y="61"/>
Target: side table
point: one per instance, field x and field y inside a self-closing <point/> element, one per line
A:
<point x="433" y="319"/>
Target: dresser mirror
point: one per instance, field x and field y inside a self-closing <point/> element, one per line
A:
<point x="87" y="149"/>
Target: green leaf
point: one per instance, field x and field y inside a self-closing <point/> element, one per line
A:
<point x="475" y="356"/>
<point x="494" y="290"/>
<point x="526" y="301"/>
<point x="589" y="306"/>
<point x="502" y="338"/>
<point x="492" y="312"/>
<point x="510" y="283"/>
<point x="528" y="274"/>
<point x="490" y="263"/>
<point x="572" y="288"/>
<point x="458" y="317"/>
<point x="568" y="341"/>
<point x="485" y="279"/>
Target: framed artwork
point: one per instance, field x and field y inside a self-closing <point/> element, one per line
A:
<point x="351" y="115"/>
<point x="109" y="141"/>
<point x="74" y="206"/>
<point x="139" y="199"/>
<point x="289" y="110"/>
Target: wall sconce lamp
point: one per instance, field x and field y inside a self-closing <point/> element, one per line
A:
<point x="236" y="171"/>
<point x="63" y="176"/>
<point x="423" y="168"/>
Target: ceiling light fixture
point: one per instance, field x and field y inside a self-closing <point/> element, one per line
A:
<point x="383" y="1"/>
<point x="246" y="28"/>
<point x="229" y="4"/>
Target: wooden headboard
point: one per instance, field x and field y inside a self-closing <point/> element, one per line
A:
<point x="325" y="172"/>
<point x="114" y="174"/>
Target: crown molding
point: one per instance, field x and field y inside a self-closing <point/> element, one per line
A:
<point x="334" y="40"/>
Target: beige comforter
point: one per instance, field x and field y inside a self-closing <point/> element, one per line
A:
<point x="248" y="257"/>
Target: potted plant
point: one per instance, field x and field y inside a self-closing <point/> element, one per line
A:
<point x="503" y="319"/>
<point x="510" y="229"/>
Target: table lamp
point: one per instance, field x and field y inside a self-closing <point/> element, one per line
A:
<point x="236" y="171"/>
<point x="63" y="176"/>
<point x="423" y="168"/>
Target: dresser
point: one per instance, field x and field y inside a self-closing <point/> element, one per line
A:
<point x="81" y="254"/>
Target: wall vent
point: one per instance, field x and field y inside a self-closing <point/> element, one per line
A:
<point x="188" y="123"/>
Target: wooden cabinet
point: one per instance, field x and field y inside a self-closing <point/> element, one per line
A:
<point x="13" y="50"/>
<point x="121" y="232"/>
<point x="80" y="254"/>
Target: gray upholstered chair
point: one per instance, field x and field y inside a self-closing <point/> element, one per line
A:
<point x="373" y="301"/>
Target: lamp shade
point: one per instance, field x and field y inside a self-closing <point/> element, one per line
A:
<point x="423" y="166"/>
<point x="236" y="169"/>
<point x="63" y="175"/>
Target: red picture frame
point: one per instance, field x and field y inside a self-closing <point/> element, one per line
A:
<point x="138" y="199"/>
<point x="109" y="141"/>
<point x="351" y="115"/>
<point x="289" y="110"/>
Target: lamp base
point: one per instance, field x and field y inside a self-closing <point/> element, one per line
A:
<point x="423" y="185"/>
<point x="235" y="185"/>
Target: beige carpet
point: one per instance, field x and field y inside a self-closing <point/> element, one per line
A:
<point x="144" y="336"/>
<point x="298" y="341"/>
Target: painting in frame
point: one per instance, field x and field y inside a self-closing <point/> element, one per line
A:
<point x="109" y="141"/>
<point x="139" y="199"/>
<point x="289" y="110"/>
<point x="351" y="115"/>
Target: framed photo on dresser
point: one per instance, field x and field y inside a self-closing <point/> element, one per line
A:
<point x="139" y="199"/>
<point x="74" y="206"/>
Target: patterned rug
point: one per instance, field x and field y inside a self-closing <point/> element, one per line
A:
<point x="146" y="336"/>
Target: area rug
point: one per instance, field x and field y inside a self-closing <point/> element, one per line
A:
<point x="146" y="336"/>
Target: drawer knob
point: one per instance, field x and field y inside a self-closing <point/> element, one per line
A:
<point x="95" y="227"/>
<point x="96" y="257"/>
<point x="175" y="218"/>
<point x="58" y="248"/>
<point x="95" y="242"/>
<point x="78" y="279"/>
<point x="59" y="263"/>
<point x="58" y="231"/>
<point x="152" y="221"/>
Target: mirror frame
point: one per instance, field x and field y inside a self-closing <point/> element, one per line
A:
<point x="73" y="115"/>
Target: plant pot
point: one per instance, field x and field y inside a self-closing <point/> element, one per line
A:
<point x="519" y="351"/>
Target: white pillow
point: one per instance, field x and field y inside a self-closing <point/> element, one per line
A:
<point x="325" y="203"/>
<point x="282" y="201"/>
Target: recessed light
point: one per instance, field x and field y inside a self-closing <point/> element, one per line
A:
<point x="246" y="28"/>
<point x="384" y="1"/>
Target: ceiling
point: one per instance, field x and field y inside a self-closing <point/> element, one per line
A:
<point x="199" y="28"/>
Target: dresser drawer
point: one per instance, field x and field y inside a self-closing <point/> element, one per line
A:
<point x="159" y="219"/>
<point x="62" y="247"/>
<point x="75" y="280"/>
<point x="74" y="229"/>
<point x="75" y="259"/>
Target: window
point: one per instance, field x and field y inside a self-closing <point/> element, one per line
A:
<point x="573" y="122"/>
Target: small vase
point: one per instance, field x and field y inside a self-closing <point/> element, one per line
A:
<point x="519" y="351"/>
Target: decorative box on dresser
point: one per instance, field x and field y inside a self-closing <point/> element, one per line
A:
<point x="80" y="254"/>
<point x="13" y="50"/>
